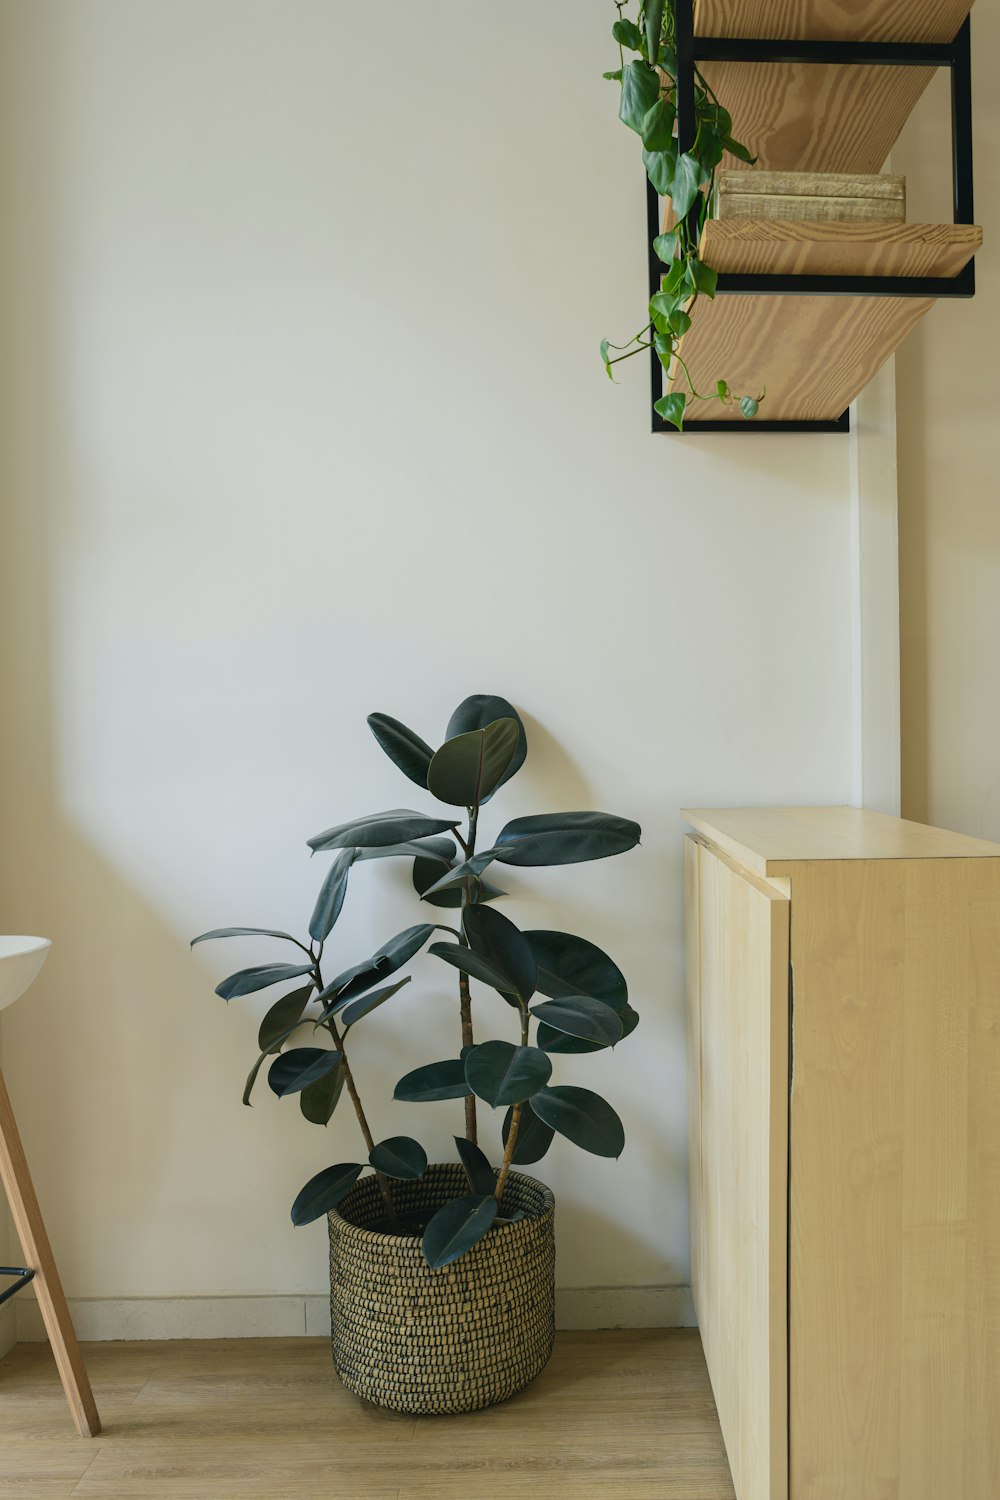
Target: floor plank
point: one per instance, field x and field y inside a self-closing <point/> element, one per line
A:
<point x="623" y="1414"/>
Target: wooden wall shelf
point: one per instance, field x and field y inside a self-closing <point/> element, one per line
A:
<point x="809" y="312"/>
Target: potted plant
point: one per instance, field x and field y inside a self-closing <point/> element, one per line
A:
<point x="442" y="1290"/>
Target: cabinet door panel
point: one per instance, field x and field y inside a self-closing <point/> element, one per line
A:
<point x="738" y="936"/>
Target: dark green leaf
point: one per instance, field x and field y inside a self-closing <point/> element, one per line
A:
<point x="383" y="962"/>
<point x="247" y="981"/>
<point x="668" y="61"/>
<point x="467" y="961"/>
<point x="658" y="126"/>
<point x="399" y="1157"/>
<point x="739" y="151"/>
<point x="471" y="766"/>
<point x="654" y="26"/>
<point x="481" y="1176"/>
<point x="324" y="1191"/>
<point x="704" y="278"/>
<point x="282" y="1019"/>
<point x="438" y="1080"/>
<point x="300" y="1066"/>
<point x="748" y="407"/>
<point x="660" y="168"/>
<point x="501" y="1073"/>
<point x="318" y="1100"/>
<point x="665" y="246"/>
<point x="582" y="1117"/>
<point x="393" y="827"/>
<point x="252" y="1077"/>
<point x="627" y="34"/>
<point x="480" y="709"/>
<point x="685" y="184"/>
<point x="565" y="838"/>
<point x="671" y="408"/>
<point x="469" y="869"/>
<point x="407" y="750"/>
<point x="679" y="322"/>
<point x="456" y="1227"/>
<point x="570" y="965"/>
<point x="331" y="897"/>
<point x="710" y="153"/>
<point x="640" y="91"/>
<point x="427" y="872"/>
<point x="227" y="932"/>
<point x="551" y="1040"/>
<point x="534" y="1137"/>
<point x="494" y="937"/>
<point x="370" y="1002"/>
<point x="581" y="1016"/>
<point x="443" y="850"/>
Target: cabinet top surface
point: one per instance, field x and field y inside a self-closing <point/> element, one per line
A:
<point x="767" y="839"/>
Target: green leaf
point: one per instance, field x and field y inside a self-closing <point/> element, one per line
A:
<point x="467" y="961"/>
<point x="324" y="1191"/>
<point x="247" y="981"/>
<point x="606" y="357"/>
<point x="679" y="322"/>
<point x="480" y="709"/>
<point x="627" y="34"/>
<point x="748" y="407"/>
<point x="494" y="937"/>
<point x="383" y="962"/>
<point x="583" y="1118"/>
<point x="471" y="766"/>
<point x="481" y="1176"/>
<point x="534" y="1137"/>
<point x="441" y="849"/>
<point x="317" y="1101"/>
<point x="331" y="897"/>
<point x="570" y="965"/>
<point x="470" y="869"/>
<point x="710" y="153"/>
<point x="658" y="126"/>
<point x="294" y="1070"/>
<point x="739" y="151"/>
<point x="660" y="168"/>
<point x="456" y="1227"/>
<point x="654" y="26"/>
<point x="640" y="91"/>
<point x="665" y="246"/>
<point x="227" y="932"/>
<point x="437" y="1080"/>
<point x="252" y="1077"/>
<point x="560" y="1042"/>
<point x="671" y="408"/>
<point x="582" y="1016"/>
<point x="685" y="185"/>
<point x="704" y="278"/>
<point x="722" y="390"/>
<point x="501" y="1073"/>
<point x="391" y="827"/>
<point x="399" y="1157"/>
<point x="668" y="61"/>
<point x="565" y="838"/>
<point x="427" y="873"/>
<point x="615" y="75"/>
<point x="367" y="1003"/>
<point x="404" y="748"/>
<point x="282" y="1019"/>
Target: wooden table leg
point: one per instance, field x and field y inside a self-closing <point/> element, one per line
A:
<point x="27" y="1218"/>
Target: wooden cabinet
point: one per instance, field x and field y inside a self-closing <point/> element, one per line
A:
<point x="843" y="994"/>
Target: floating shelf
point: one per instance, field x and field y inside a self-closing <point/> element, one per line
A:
<point x="810" y="311"/>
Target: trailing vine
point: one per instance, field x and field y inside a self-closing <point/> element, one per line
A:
<point x="649" y="107"/>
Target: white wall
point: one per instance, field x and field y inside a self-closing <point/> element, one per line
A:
<point x="302" y="416"/>
<point x="948" y="505"/>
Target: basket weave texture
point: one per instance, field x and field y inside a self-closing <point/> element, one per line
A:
<point x="457" y="1339"/>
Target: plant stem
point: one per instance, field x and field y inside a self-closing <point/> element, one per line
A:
<point x="515" y="1121"/>
<point x="352" y="1089"/>
<point x="464" y="989"/>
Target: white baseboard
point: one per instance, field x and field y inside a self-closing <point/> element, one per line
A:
<point x="102" y="1318"/>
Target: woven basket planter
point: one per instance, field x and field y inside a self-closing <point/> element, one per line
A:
<point x="466" y="1336"/>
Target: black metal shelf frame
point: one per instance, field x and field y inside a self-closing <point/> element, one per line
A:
<point x="955" y="55"/>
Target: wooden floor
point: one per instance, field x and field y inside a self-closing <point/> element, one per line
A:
<point x="615" y="1416"/>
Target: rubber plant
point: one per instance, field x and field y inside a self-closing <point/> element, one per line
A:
<point x="649" y="107"/>
<point x="552" y="994"/>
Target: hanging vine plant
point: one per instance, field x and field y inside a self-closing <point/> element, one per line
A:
<point x="649" y="107"/>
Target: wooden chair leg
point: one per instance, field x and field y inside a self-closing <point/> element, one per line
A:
<point x="27" y="1218"/>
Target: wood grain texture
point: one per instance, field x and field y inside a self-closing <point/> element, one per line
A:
<point x="895" y="1180"/>
<point x="833" y="20"/>
<point x="34" y="1240"/>
<point x="783" y="247"/>
<point x="738" y="1036"/>
<point x="614" y="1414"/>
<point x="770" y="840"/>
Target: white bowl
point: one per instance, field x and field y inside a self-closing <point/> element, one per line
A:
<point x="20" y="960"/>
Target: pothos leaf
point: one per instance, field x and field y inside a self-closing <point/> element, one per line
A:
<point x="671" y="409"/>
